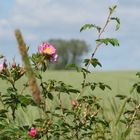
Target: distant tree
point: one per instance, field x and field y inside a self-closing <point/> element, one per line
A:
<point x="69" y="51"/>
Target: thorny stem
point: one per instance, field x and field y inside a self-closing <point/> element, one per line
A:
<point x="94" y="52"/>
<point x="99" y="36"/>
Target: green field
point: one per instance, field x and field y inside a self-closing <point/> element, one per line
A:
<point x="120" y="81"/>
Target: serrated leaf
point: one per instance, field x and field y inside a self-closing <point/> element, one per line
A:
<point x="107" y="41"/>
<point x="89" y="26"/>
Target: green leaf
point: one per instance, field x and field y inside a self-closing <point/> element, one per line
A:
<point x="102" y="86"/>
<point x="134" y="87"/>
<point x="138" y="74"/>
<point x="107" y="86"/>
<point x="121" y="97"/>
<point x="138" y="88"/>
<point x="106" y="41"/>
<point x="95" y="62"/>
<point x="74" y="91"/>
<point x="50" y="96"/>
<point x="118" y="22"/>
<point x="87" y="62"/>
<point x="85" y="71"/>
<point x="92" y="87"/>
<point x="89" y="26"/>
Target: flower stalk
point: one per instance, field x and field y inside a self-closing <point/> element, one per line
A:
<point x="30" y="74"/>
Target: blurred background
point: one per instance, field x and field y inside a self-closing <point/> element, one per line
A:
<point x="59" y="22"/>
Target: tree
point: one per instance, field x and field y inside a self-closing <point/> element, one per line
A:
<point x="69" y="51"/>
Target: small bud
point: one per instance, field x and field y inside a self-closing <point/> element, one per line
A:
<point x="13" y="65"/>
<point x="3" y="65"/>
<point x="74" y="102"/>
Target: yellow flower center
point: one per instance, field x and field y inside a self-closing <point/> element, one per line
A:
<point x="48" y="51"/>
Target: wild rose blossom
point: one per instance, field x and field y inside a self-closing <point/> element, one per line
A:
<point x="33" y="132"/>
<point x="48" y="49"/>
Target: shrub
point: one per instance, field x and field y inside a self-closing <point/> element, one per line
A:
<point x="83" y="119"/>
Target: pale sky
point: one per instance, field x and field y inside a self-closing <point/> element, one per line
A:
<point x="40" y="20"/>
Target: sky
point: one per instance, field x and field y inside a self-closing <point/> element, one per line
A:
<point x="41" y="20"/>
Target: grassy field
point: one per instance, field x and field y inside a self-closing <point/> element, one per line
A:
<point x="120" y="81"/>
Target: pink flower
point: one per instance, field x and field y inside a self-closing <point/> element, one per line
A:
<point x="3" y="65"/>
<point x="33" y="132"/>
<point x="46" y="48"/>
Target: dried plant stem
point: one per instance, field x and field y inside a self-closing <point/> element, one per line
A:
<point x="30" y="74"/>
<point x="133" y="116"/>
